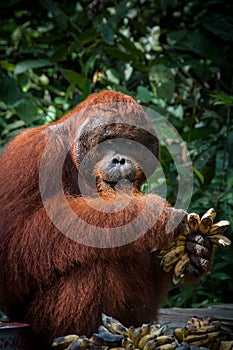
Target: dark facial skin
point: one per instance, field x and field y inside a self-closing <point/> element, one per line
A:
<point x="116" y="166"/>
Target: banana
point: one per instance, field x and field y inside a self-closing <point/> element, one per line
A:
<point x="211" y="212"/>
<point x="62" y="343"/>
<point x="150" y="345"/>
<point x="175" y="256"/>
<point x="113" y="325"/>
<point x="126" y="342"/>
<point x="203" y="339"/>
<point x="131" y="330"/>
<point x="205" y="224"/>
<point x="220" y="241"/>
<point x="136" y="336"/>
<point x="161" y="339"/>
<point x="226" y="345"/>
<point x="103" y="329"/>
<point x="144" y="340"/>
<point x="193" y="221"/>
<point x="156" y="329"/>
<point x="145" y="329"/>
<point x="203" y="330"/>
<point x="164" y="339"/>
<point x="107" y="339"/>
<point x="171" y="346"/>
<point x="168" y="267"/>
<point x="204" y="342"/>
<point x="207" y="221"/>
<point x="219" y="227"/>
<point x="80" y="343"/>
<point x="172" y="255"/>
<point x="180" y="334"/>
<point x="197" y="325"/>
<point x="179" y="268"/>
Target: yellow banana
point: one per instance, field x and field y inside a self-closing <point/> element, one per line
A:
<point x="131" y="331"/>
<point x="62" y="343"/>
<point x="126" y="342"/>
<point x="220" y="241"/>
<point x="197" y="325"/>
<point x="179" y="334"/>
<point x="200" y="339"/>
<point x="171" y="346"/>
<point x="145" y="329"/>
<point x="210" y="339"/>
<point x="219" y="227"/>
<point x="154" y="328"/>
<point x="205" y="224"/>
<point x="181" y="236"/>
<point x="211" y="212"/>
<point x="168" y="267"/>
<point x="193" y="221"/>
<point x="144" y="340"/>
<point x="157" y="330"/>
<point x="164" y="339"/>
<point x="172" y="255"/>
<point x="179" y="268"/>
<point x="175" y="256"/>
<point x="136" y="336"/>
<point x="150" y="345"/>
<point x="226" y="345"/>
<point x="80" y="343"/>
<point x="203" y="329"/>
<point x="113" y="325"/>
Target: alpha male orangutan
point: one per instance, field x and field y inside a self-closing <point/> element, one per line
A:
<point x="76" y="233"/>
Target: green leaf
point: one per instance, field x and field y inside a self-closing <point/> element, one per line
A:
<point x="107" y="33"/>
<point x="220" y="25"/>
<point x="59" y="16"/>
<point x="26" y="110"/>
<point x="112" y="76"/>
<point x="223" y="99"/>
<point x="12" y="126"/>
<point x="7" y="65"/>
<point x="75" y="77"/>
<point x="222" y="276"/>
<point x="162" y="82"/>
<point x="60" y="53"/>
<point x="200" y="133"/>
<point x="199" y="175"/>
<point x="30" y="64"/>
<point x="143" y="94"/>
<point x="9" y="90"/>
<point x="117" y="53"/>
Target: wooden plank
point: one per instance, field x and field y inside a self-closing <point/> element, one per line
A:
<point x="178" y="317"/>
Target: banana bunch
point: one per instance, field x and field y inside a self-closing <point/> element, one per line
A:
<point x="205" y="332"/>
<point x="113" y="335"/>
<point x="198" y="334"/>
<point x="176" y="256"/>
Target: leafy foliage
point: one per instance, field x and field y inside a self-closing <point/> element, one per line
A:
<point x="174" y="57"/>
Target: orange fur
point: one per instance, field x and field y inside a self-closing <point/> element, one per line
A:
<point x="54" y="283"/>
